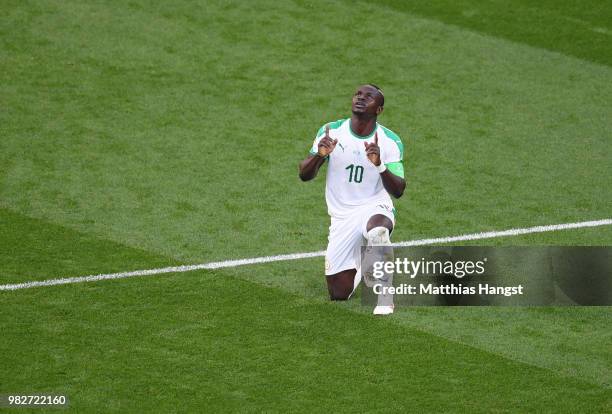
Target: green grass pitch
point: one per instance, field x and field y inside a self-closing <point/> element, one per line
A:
<point x="139" y="134"/>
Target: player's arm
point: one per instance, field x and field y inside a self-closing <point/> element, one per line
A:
<point x="310" y="166"/>
<point x="394" y="184"/>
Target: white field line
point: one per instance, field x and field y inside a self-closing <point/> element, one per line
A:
<point x="297" y="256"/>
<point x="506" y="233"/>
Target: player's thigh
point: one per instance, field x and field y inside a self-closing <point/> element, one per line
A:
<point x="344" y="240"/>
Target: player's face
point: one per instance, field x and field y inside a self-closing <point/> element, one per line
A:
<point x="366" y="101"/>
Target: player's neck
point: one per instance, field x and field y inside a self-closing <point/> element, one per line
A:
<point x="362" y="126"/>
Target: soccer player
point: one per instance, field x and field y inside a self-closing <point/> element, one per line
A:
<point x="364" y="168"/>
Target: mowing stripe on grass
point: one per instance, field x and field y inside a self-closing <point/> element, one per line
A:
<point x="297" y="256"/>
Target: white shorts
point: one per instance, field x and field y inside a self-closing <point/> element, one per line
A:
<point x="347" y="235"/>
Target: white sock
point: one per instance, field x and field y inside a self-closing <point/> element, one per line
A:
<point x="379" y="236"/>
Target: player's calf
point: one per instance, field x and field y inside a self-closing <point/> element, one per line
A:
<point x="379" y="250"/>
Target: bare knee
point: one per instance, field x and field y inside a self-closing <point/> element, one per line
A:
<point x="379" y="220"/>
<point x="340" y="286"/>
<point x="339" y="294"/>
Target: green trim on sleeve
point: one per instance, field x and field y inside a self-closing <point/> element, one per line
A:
<point x="332" y="125"/>
<point x="396" y="168"/>
<point x="397" y="140"/>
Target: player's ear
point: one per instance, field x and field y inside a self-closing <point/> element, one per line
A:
<point x="379" y="110"/>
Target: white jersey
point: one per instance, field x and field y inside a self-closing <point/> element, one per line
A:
<point x="352" y="180"/>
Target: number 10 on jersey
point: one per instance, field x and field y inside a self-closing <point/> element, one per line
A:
<point x="355" y="173"/>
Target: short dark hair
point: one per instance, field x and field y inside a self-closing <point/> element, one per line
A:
<point x="379" y="91"/>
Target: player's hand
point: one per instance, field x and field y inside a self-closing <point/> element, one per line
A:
<point x="326" y="145"/>
<point x="373" y="151"/>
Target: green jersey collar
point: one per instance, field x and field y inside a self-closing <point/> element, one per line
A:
<point x="356" y="135"/>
